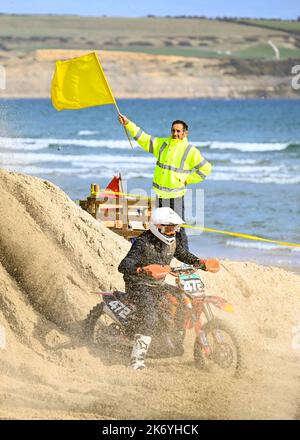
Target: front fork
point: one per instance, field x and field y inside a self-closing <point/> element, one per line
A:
<point x="201" y="335"/>
<point x="208" y="312"/>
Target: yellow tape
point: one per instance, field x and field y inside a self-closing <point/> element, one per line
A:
<point x="248" y="237"/>
<point x="217" y="231"/>
<point x="136" y="196"/>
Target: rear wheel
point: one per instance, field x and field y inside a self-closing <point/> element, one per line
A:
<point x="223" y="352"/>
<point x="107" y="336"/>
<point x="90" y="321"/>
<point x="99" y="328"/>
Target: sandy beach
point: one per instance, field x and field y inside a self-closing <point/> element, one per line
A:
<point x="54" y="255"/>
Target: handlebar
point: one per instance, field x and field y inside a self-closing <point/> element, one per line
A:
<point x="186" y="268"/>
<point x="183" y="268"/>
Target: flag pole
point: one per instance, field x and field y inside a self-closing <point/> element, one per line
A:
<point x="115" y="103"/>
<point x="117" y="108"/>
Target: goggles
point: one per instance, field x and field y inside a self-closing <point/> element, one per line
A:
<point x="169" y="229"/>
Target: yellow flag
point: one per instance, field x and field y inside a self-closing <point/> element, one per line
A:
<point x="80" y="82"/>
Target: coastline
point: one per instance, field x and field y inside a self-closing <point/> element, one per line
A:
<point x="147" y="76"/>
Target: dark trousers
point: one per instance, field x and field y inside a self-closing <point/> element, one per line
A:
<point x="177" y="204"/>
<point x="148" y="301"/>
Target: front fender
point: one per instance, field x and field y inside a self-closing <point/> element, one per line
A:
<point x="219" y="302"/>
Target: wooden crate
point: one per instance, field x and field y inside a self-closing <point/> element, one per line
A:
<point x="125" y="215"/>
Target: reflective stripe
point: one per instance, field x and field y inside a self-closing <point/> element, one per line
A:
<point x="151" y="144"/>
<point x="201" y="174"/>
<point x="180" y="169"/>
<point x="164" y="145"/>
<point x="138" y="135"/>
<point x="169" y="167"/>
<point x="201" y="164"/>
<point x="188" y="149"/>
<point x="163" y="188"/>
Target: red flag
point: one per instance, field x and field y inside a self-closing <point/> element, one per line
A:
<point x="114" y="184"/>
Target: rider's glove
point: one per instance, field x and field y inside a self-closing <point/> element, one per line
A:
<point x="210" y="265"/>
<point x="155" y="271"/>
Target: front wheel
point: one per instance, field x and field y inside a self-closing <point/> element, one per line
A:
<point x="219" y="349"/>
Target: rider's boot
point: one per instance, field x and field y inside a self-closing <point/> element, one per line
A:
<point x="139" y="351"/>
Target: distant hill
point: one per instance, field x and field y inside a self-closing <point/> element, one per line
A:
<point x="290" y="26"/>
<point x="154" y="57"/>
<point x="193" y="37"/>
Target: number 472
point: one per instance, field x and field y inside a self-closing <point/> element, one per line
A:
<point x="119" y="308"/>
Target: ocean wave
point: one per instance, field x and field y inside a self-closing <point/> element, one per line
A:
<point x="249" y="146"/>
<point x="84" y="160"/>
<point x="261" y="246"/>
<point x="108" y="175"/>
<point x="276" y="178"/>
<point x="49" y="171"/>
<point x="87" y="132"/>
<point x="293" y="147"/>
<point x="245" y="161"/>
<point x="42" y="143"/>
<point x="79" y="173"/>
<point x="282" y="174"/>
<point x="244" y="169"/>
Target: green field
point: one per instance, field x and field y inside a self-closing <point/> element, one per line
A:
<point x="283" y="25"/>
<point x="266" y="52"/>
<point x="108" y="27"/>
<point x="166" y="36"/>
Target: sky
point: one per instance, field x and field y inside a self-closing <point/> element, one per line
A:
<point x="288" y="9"/>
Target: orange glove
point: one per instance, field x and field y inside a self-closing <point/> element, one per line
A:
<point x="211" y="265"/>
<point x="155" y="271"/>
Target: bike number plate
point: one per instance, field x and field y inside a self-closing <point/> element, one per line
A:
<point x="191" y="283"/>
<point x="119" y="309"/>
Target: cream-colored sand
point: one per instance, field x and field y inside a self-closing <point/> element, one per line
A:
<point x="54" y="256"/>
<point x="138" y="75"/>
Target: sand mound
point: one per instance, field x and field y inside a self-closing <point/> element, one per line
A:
<point x="54" y="256"/>
<point x="54" y="250"/>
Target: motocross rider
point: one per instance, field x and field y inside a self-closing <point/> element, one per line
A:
<point x="144" y="269"/>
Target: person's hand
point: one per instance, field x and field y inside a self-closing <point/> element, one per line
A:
<point x="155" y="271"/>
<point x="210" y="265"/>
<point x="123" y="119"/>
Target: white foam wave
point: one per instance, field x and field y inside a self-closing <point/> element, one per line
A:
<point x="276" y="178"/>
<point x="243" y="161"/>
<point x="143" y="164"/>
<point x="80" y="173"/>
<point x="39" y="144"/>
<point x="78" y="160"/>
<point x="249" y="169"/>
<point x="248" y="146"/>
<point x="108" y="175"/>
<point x="50" y="171"/>
<point x="259" y="245"/>
<point x="87" y="132"/>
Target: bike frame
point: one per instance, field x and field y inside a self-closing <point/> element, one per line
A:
<point x="202" y="305"/>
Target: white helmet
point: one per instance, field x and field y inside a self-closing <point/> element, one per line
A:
<point x="164" y="216"/>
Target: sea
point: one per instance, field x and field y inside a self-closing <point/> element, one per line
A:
<point x="253" y="145"/>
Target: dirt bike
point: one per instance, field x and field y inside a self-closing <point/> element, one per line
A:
<point x="111" y="324"/>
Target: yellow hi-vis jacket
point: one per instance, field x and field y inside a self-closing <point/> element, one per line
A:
<point x="178" y="162"/>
